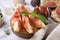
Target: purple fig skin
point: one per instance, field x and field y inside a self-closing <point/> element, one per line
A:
<point x="35" y="3"/>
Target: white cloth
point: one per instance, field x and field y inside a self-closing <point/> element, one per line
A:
<point x="55" y="34"/>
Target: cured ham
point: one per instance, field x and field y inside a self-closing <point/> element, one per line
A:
<point x="26" y="24"/>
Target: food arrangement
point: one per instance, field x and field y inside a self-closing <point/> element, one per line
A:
<point x="54" y="8"/>
<point x="25" y="23"/>
<point x="35" y="3"/>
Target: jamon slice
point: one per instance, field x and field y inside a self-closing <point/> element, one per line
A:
<point x="16" y="22"/>
<point x="27" y="9"/>
<point x="26" y="24"/>
<point x="23" y="8"/>
<point x="16" y="26"/>
<point x="37" y="22"/>
<point x="20" y="8"/>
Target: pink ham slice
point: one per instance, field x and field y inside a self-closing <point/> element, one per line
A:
<point x="26" y="24"/>
<point x="25" y="19"/>
<point x="16" y="21"/>
<point x="23" y="8"/>
<point x="37" y="23"/>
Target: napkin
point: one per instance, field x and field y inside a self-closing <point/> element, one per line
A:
<point x="55" y="34"/>
<point x="39" y="35"/>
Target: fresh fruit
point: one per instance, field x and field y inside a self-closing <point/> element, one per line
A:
<point x="38" y="10"/>
<point x="58" y="11"/>
<point x="51" y="4"/>
<point x="25" y="22"/>
<point x="42" y="8"/>
<point x="46" y="13"/>
<point x="35" y="3"/>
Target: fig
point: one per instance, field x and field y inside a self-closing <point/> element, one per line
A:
<point x="42" y="8"/>
<point x="38" y="10"/>
<point x="46" y="13"/>
<point x="35" y="3"/>
<point x="51" y="4"/>
<point x="58" y="11"/>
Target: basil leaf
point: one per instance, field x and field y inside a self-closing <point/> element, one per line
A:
<point x="41" y="17"/>
<point x="45" y="20"/>
<point x="26" y="13"/>
<point x="34" y="13"/>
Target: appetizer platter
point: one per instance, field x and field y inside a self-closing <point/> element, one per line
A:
<point x="25" y="23"/>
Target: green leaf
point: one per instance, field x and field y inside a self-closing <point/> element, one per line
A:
<point x="45" y="20"/>
<point x="34" y="13"/>
<point x="26" y="13"/>
<point x="41" y="17"/>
